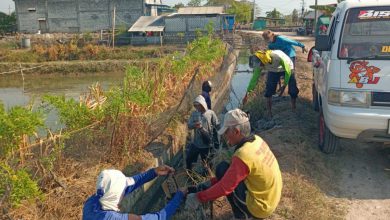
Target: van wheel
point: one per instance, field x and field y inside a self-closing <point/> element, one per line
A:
<point x="327" y="141"/>
<point x="316" y="105"/>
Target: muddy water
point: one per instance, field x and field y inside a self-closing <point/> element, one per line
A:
<point x="14" y="91"/>
<point x="240" y="81"/>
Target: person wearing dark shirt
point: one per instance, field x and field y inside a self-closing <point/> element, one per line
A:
<point x="206" y="89"/>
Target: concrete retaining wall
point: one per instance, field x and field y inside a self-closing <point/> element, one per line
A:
<point x="171" y="153"/>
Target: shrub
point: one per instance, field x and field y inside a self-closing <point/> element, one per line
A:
<point x="72" y="113"/>
<point x="14" y="124"/>
<point x="17" y="185"/>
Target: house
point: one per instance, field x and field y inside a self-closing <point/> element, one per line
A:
<point x="188" y="20"/>
<point x="147" y="30"/>
<point x="80" y="15"/>
<point x="262" y="23"/>
<point x="180" y="27"/>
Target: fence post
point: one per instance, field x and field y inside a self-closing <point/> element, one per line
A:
<point x="21" y="72"/>
<point x="161" y="40"/>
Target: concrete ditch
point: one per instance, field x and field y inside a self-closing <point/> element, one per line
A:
<point x="168" y="149"/>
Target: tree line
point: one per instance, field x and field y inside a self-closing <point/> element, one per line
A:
<point x="7" y="23"/>
<point x="243" y="10"/>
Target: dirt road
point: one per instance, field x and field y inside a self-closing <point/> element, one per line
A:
<point x="365" y="179"/>
<point x="363" y="171"/>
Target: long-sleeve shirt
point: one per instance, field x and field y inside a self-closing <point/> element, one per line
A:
<point x="206" y="96"/>
<point x="254" y="80"/>
<point x="254" y="163"/>
<point x="93" y="210"/>
<point x="280" y="61"/>
<point x="286" y="45"/>
<point x="209" y="121"/>
<point x="236" y="173"/>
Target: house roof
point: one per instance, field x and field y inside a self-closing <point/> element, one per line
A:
<point x="273" y="19"/>
<point x="201" y="10"/>
<point x="310" y="15"/>
<point x="148" y="23"/>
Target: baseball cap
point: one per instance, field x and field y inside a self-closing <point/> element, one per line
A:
<point x="232" y="118"/>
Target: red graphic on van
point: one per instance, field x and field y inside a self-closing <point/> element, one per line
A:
<point x="370" y="14"/>
<point x="362" y="73"/>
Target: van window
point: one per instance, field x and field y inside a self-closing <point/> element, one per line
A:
<point x="366" y="33"/>
<point x="333" y="28"/>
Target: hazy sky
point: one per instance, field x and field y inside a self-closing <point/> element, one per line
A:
<point x="284" y="6"/>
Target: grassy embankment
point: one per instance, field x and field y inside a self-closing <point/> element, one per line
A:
<point x="51" y="178"/>
<point x="85" y="57"/>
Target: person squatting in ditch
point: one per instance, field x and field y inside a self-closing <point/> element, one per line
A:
<point x="204" y="122"/>
<point x="206" y="90"/>
<point x="252" y="182"/>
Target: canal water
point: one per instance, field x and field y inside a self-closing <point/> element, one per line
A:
<point x="240" y="81"/>
<point x="14" y="91"/>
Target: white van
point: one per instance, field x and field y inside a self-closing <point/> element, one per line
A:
<point x="351" y="67"/>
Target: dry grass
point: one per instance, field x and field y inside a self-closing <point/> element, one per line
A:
<point x="303" y="199"/>
<point x="72" y="179"/>
<point x="308" y="176"/>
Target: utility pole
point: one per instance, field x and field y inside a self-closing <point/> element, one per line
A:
<point x="303" y="10"/>
<point x="113" y="27"/>
<point x="315" y="17"/>
<point x="9" y="9"/>
<point x="253" y="16"/>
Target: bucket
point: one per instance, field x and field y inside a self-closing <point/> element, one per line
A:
<point x="26" y="43"/>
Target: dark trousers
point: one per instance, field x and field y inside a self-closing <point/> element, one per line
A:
<point x="193" y="153"/>
<point x="237" y="198"/>
<point x="272" y="82"/>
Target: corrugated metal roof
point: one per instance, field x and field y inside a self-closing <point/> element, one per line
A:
<point x="310" y="15"/>
<point x="201" y="10"/>
<point x="145" y="23"/>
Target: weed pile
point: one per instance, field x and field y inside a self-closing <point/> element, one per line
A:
<point x="50" y="178"/>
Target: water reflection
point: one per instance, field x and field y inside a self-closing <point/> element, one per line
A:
<point x="14" y="91"/>
<point x="240" y="80"/>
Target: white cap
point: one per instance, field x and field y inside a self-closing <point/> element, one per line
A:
<point x="232" y="118"/>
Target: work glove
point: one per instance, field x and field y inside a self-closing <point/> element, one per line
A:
<point x="192" y="202"/>
<point x="200" y="187"/>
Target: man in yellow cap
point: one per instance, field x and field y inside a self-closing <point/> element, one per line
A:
<point x="278" y="65"/>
